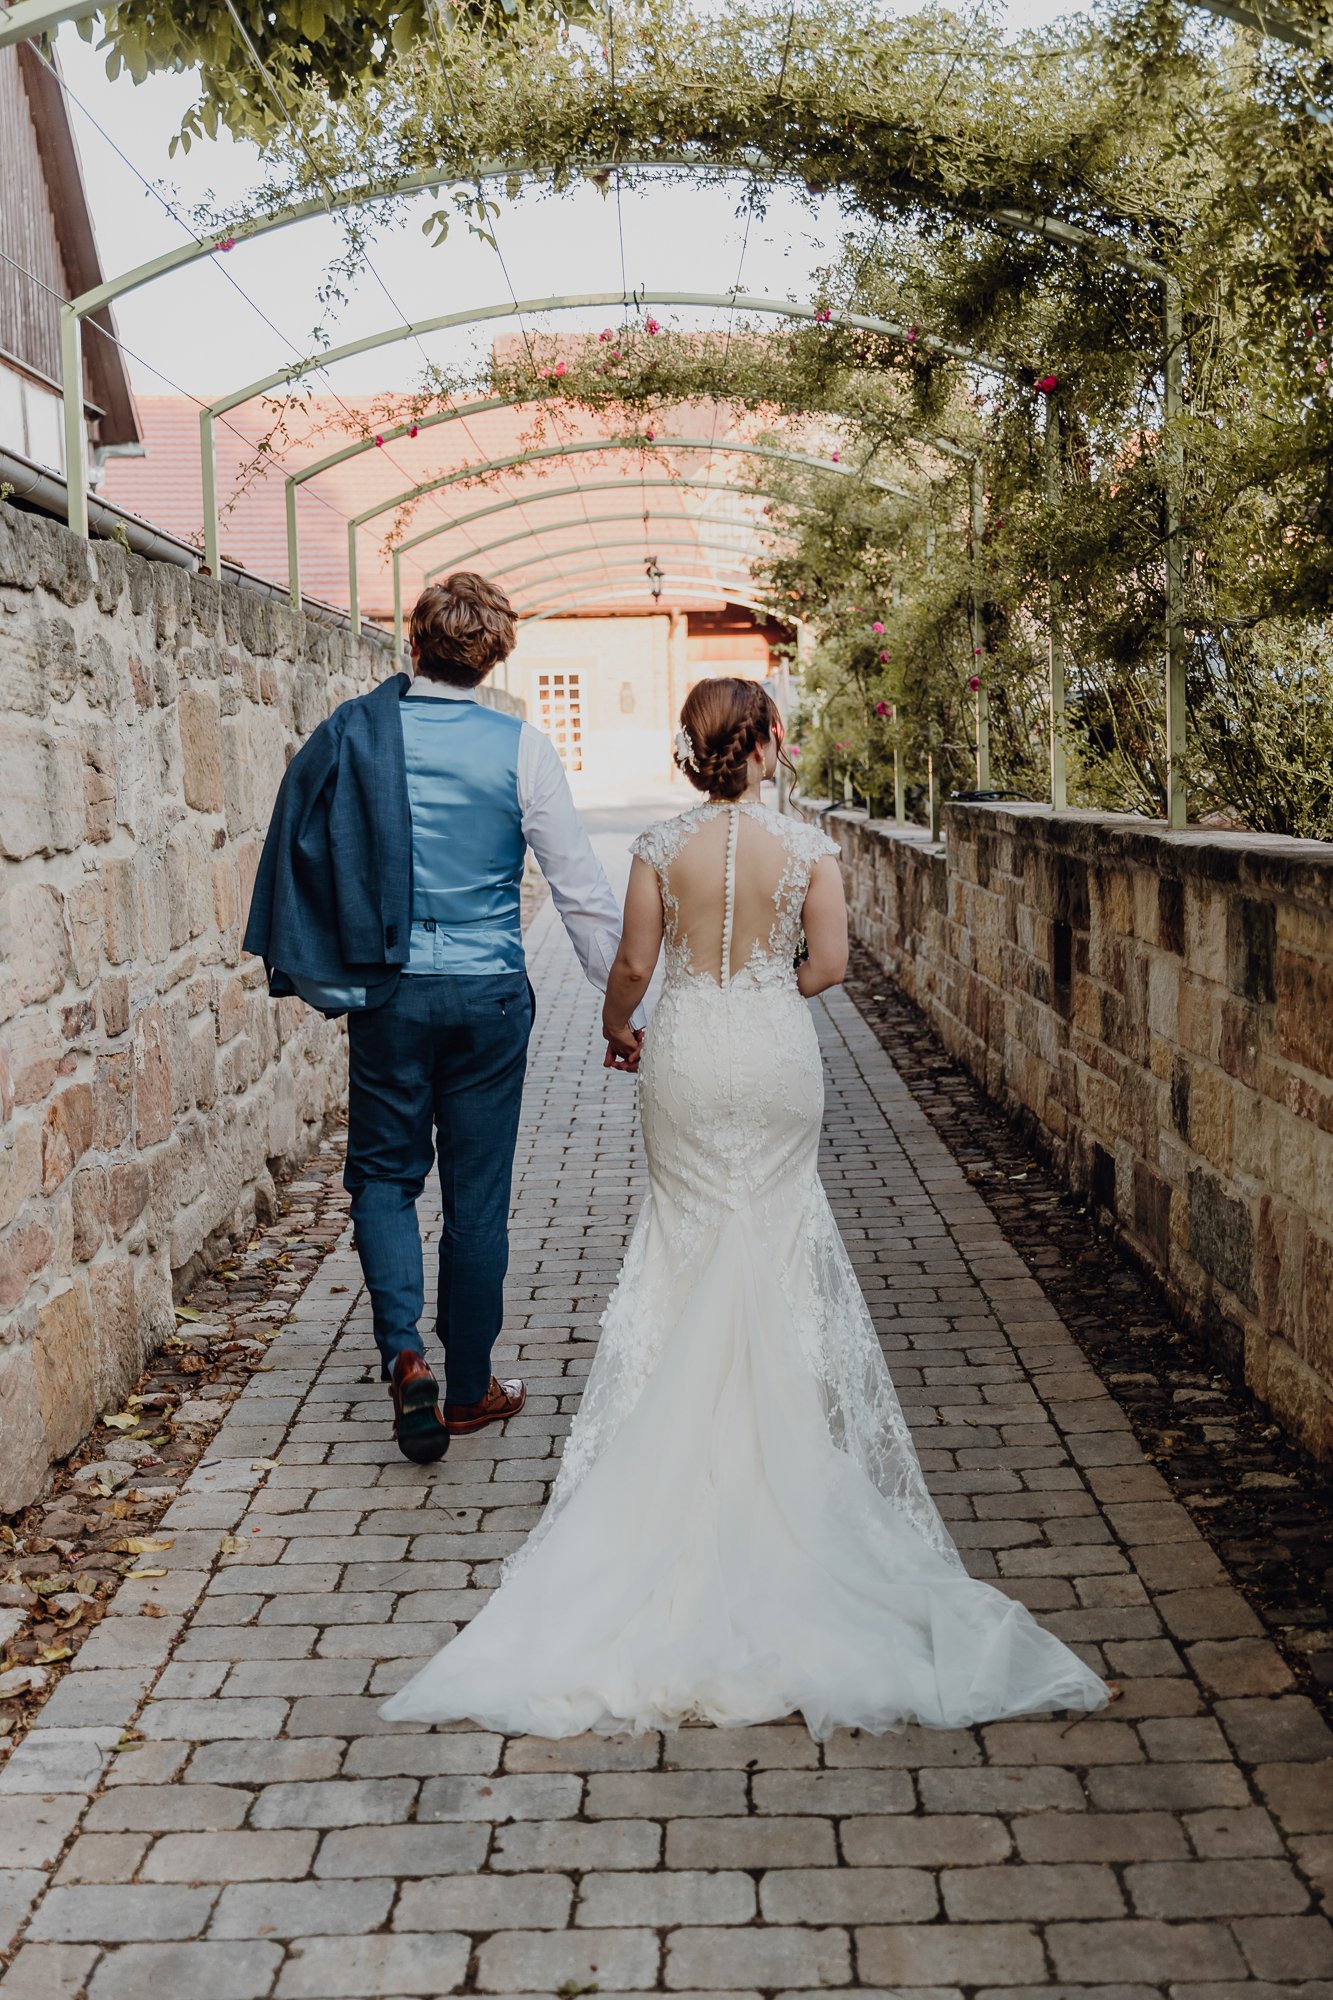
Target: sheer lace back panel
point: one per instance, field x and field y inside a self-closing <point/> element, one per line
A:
<point x="733" y="876"/>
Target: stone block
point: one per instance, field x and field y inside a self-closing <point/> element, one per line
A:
<point x="24" y="1251"/>
<point x="1305" y="1008"/>
<point x="1221" y="1234"/>
<point x="153" y="1084"/>
<point x="120" y="909"/>
<point x="201" y="748"/>
<point x="67" y="1133"/>
<point x="24" y="1459"/>
<point x="61" y="1345"/>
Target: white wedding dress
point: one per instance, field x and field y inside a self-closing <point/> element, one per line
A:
<point x="740" y="1527"/>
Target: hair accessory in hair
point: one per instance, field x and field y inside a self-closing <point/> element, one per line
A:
<point x="685" y="749"/>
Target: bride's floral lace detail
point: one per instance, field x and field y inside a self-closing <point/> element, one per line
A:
<point x="770" y="960"/>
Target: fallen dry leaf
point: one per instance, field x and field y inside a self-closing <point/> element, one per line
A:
<point x="136" y="1575"/>
<point x="142" y="1545"/>
<point x="125" y="1421"/>
<point x="231" y="1545"/>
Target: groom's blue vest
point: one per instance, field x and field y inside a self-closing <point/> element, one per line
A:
<point x="467" y="836"/>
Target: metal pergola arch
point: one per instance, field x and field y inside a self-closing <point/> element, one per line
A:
<point x="594" y="521"/>
<point x="679" y="571"/>
<point x="738" y="590"/>
<point x="460" y="413"/>
<point x="621" y="542"/>
<point x="615" y="592"/>
<point x="516" y="308"/>
<point x="579" y="447"/>
<point x="1046" y="228"/>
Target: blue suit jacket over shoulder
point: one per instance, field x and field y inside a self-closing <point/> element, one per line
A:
<point x="332" y="899"/>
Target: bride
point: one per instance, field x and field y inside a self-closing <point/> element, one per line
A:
<point x="740" y="1527"/>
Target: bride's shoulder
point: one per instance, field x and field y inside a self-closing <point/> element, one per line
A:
<point x="659" y="843"/>
<point x="802" y="839"/>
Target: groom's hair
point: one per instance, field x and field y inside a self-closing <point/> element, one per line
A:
<point x="461" y="628"/>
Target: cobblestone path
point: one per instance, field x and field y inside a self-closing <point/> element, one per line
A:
<point x="263" y="1833"/>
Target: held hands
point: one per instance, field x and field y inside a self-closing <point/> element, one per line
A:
<point x="624" y="1046"/>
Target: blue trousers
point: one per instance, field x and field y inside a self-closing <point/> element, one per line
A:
<point x="440" y="1064"/>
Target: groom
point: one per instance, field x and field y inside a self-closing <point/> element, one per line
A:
<point x="389" y="890"/>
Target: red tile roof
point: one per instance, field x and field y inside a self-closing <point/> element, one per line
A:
<point x="164" y="487"/>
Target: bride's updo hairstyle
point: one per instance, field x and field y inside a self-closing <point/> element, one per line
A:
<point x="725" y="721"/>
<point x="462" y="628"/>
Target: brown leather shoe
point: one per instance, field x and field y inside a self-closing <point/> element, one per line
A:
<point x="417" y="1423"/>
<point x="502" y="1399"/>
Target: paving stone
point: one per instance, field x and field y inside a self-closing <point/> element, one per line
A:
<point x="803" y="1842"/>
<point x="1287" y="1947"/>
<point x="1284" y="1729"/>
<point x="201" y="1971"/>
<point x="19" y="1890"/>
<point x="725" y="1959"/>
<point x="664" y="1794"/>
<point x="168" y="1809"/>
<point x="625" y="1843"/>
<point x="484" y="1903"/>
<point x="1142" y="1949"/>
<point x="48" y="1972"/>
<point x="847" y="1896"/>
<point x="335" y="1802"/>
<point x="58" y="1760"/>
<point x="1038" y="1890"/>
<point x="422" y="1756"/>
<point x="833" y="1792"/>
<point x="320" y="1968"/>
<point x="1299" y="1796"/>
<point x="104" y="1857"/>
<point x="950" y="1954"/>
<point x="229" y="1857"/>
<point x="265" y="1763"/>
<point x="35" y="1826"/>
<point x="121" y="1914"/>
<point x="201" y="1721"/>
<point x="546" y="1797"/>
<point x="684" y="1896"/>
<point x="1100" y="1836"/>
<point x="517" y="1962"/>
<point x="451" y="1848"/>
<point x="924" y="1840"/>
<point x="301" y="1909"/>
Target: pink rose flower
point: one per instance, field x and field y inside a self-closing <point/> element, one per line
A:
<point x="1047" y="384"/>
<point x="975" y="683"/>
<point x="878" y="626"/>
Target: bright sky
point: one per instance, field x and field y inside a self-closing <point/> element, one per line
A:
<point x="204" y="331"/>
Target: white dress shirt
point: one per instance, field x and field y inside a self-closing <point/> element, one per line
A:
<point x="583" y="897"/>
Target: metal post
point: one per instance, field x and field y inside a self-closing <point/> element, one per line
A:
<point x="1173" y="470"/>
<point x="978" y="525"/>
<point x="71" y="380"/>
<point x="208" y="475"/>
<point x="1055" y="612"/>
<point x="397" y="614"/>
<point x="353" y="586"/>
<point x="293" y="550"/>
<point x="933" y="779"/>
<point x="898" y="813"/>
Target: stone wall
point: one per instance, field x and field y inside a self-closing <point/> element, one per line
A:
<point x="1157" y="1009"/>
<point x="149" y="1088"/>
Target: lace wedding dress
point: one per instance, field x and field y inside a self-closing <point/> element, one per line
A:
<point x="740" y="1527"/>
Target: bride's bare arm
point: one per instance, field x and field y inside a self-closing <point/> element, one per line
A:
<point x="640" y="943"/>
<point x="824" y="920"/>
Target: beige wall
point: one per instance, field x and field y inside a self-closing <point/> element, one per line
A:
<point x="1157" y="1009"/>
<point x="634" y="673"/>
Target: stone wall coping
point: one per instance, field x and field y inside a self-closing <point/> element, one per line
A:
<point x="1264" y="862"/>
